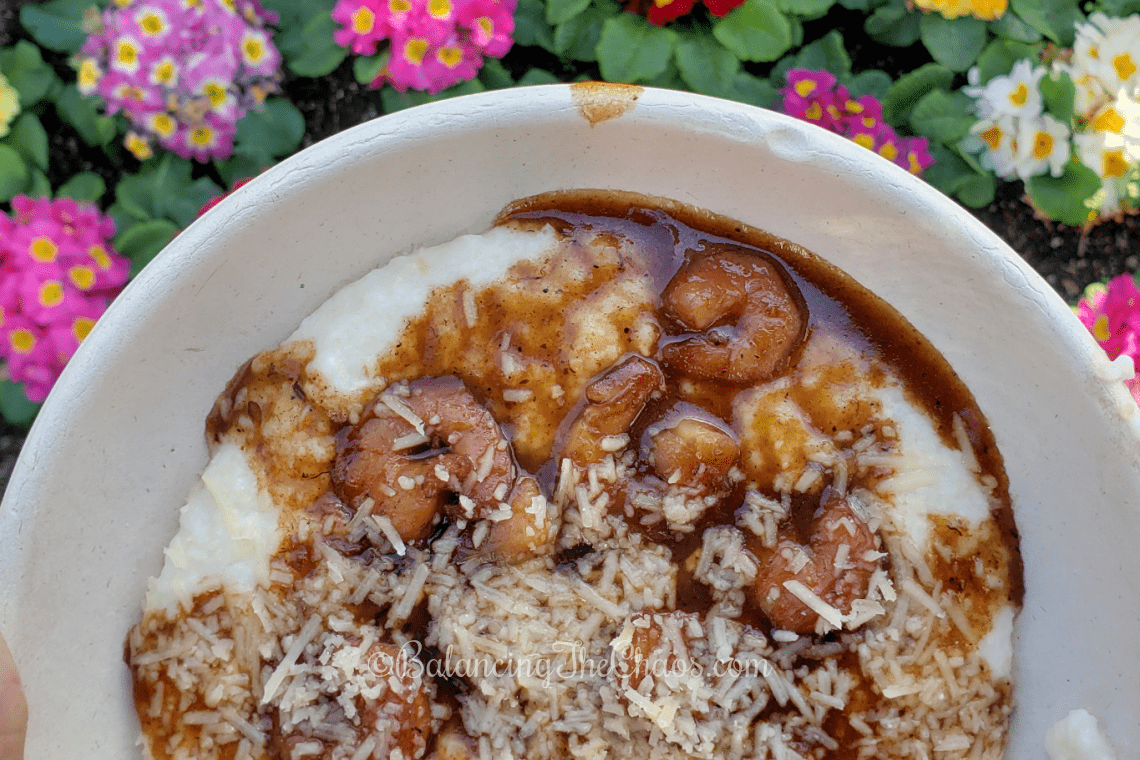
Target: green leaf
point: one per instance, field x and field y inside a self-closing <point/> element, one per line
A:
<point x="165" y="190"/>
<point x="957" y="43"/>
<point x="861" y="5"/>
<point x="909" y="88"/>
<point x="828" y="52"/>
<point x="755" y="31"/>
<point x="242" y="163"/>
<point x="1063" y="198"/>
<point x="558" y="11"/>
<point x="494" y="75"/>
<point x="670" y="79"/>
<point x="39" y="186"/>
<point x="808" y="9"/>
<point x="872" y="82"/>
<point x="14" y="403"/>
<point x="1000" y="55"/>
<point x="319" y="55"/>
<point x="29" y="137"/>
<point x="1118" y="8"/>
<point x="531" y="27"/>
<point x="633" y="50"/>
<point x="95" y="129"/>
<point x="13" y="173"/>
<point x="86" y="186"/>
<point x="397" y="101"/>
<point x="24" y="68"/>
<point x="753" y="90"/>
<point x="57" y="25"/>
<point x="1011" y="27"/>
<point x="706" y="66"/>
<point x="1055" y="19"/>
<point x="577" y="39"/>
<point x="274" y="131"/>
<point x="142" y="241"/>
<point x="948" y="173"/>
<point x="942" y="116"/>
<point x="536" y="76"/>
<point x="894" y="25"/>
<point x="1058" y="94"/>
<point x="978" y="192"/>
<point x="365" y="68"/>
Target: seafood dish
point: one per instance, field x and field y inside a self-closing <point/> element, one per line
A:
<point x="617" y="478"/>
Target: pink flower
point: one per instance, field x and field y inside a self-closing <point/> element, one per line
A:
<point x="816" y="97"/>
<point x="1111" y="312"/>
<point x="432" y="44"/>
<point x="58" y="272"/>
<point x="179" y="68"/>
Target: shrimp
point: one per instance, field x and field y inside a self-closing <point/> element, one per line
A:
<point x="613" y="402"/>
<point x="751" y="317"/>
<point x="527" y="531"/>
<point x="694" y="452"/>
<point x="398" y="718"/>
<point x="412" y="452"/>
<point x="836" y="565"/>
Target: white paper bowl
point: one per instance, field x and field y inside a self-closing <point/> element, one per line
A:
<point x="95" y="495"/>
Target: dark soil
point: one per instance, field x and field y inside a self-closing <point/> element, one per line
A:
<point x="1068" y="258"/>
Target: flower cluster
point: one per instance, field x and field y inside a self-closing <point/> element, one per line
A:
<point x="661" y="12"/>
<point x="183" y="71"/>
<point x="9" y="105"/>
<point x="983" y="9"/>
<point x="815" y="96"/>
<point x="432" y="44"/>
<point x="1019" y="139"/>
<point x="58" y="272"/>
<point x="1111" y="312"/>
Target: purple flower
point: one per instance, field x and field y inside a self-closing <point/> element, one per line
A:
<point x="1111" y="312"/>
<point x="184" y="72"/>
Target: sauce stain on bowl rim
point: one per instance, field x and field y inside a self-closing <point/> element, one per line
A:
<point x="601" y="101"/>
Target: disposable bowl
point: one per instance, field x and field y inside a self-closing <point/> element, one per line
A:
<point x="95" y="495"/>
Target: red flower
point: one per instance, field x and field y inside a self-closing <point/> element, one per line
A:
<point x="662" y="12"/>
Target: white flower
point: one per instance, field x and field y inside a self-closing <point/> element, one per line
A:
<point x="1118" y="59"/>
<point x="1086" y="48"/>
<point x="1013" y="95"/>
<point x="1090" y="93"/>
<point x="1103" y="152"/>
<point x="1042" y="143"/>
<point x="1000" y="138"/>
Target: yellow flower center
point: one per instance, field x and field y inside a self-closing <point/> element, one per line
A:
<point x="88" y="74"/>
<point x="1109" y="121"/>
<point x="1100" y="328"/>
<point x="51" y="293"/>
<point x="254" y="50"/>
<point x="23" y="340"/>
<point x="804" y="87"/>
<point x="43" y="249"/>
<point x="100" y="256"/>
<point x="399" y="6"/>
<point x="992" y="137"/>
<point x="138" y="146"/>
<point x="853" y="106"/>
<point x="889" y="151"/>
<point x="833" y="112"/>
<point x="126" y="53"/>
<point x="487" y="25"/>
<point x="81" y="328"/>
<point x="216" y="93"/>
<point x="202" y="135"/>
<point x="1019" y="95"/>
<point x="1114" y="163"/>
<point x="1094" y="51"/>
<point x="415" y="49"/>
<point x="363" y="20"/>
<point x="1124" y="65"/>
<point x="1042" y="145"/>
<point x="163" y="72"/>
<point x="814" y="112"/>
<point x="152" y="23"/>
<point x="865" y="140"/>
<point x="163" y="124"/>
<point x="83" y="277"/>
<point x="913" y="166"/>
<point x="868" y="121"/>
<point x="439" y="8"/>
<point x="449" y="56"/>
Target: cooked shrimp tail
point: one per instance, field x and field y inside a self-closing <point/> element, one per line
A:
<point x="613" y="403"/>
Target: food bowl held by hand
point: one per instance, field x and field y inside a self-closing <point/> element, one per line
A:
<point x="95" y="495"/>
